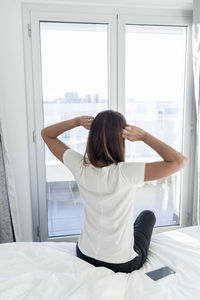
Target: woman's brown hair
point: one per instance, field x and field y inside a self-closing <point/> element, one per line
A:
<point x="105" y="144"/>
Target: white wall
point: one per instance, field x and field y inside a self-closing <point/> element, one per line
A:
<point x="13" y="97"/>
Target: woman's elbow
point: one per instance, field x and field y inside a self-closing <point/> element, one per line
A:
<point x="43" y="133"/>
<point x="183" y="162"/>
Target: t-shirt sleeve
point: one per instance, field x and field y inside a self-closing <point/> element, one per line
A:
<point x="73" y="161"/>
<point x="133" y="172"/>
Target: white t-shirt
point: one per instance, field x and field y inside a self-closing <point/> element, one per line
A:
<point x="108" y="197"/>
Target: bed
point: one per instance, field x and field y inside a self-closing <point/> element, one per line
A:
<point x="51" y="270"/>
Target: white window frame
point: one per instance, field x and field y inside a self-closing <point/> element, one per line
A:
<point x="32" y="14"/>
<point x="185" y="207"/>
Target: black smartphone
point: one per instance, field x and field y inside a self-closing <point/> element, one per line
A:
<point x="160" y="273"/>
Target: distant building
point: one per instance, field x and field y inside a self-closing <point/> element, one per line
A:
<point x="88" y="98"/>
<point x="72" y="97"/>
<point x="95" y="98"/>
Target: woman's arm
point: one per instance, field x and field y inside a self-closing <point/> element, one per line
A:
<point x="173" y="160"/>
<point x="50" y="133"/>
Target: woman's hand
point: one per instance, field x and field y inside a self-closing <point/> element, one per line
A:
<point x="85" y="121"/>
<point x="133" y="133"/>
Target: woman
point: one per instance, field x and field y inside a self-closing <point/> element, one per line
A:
<point x="107" y="184"/>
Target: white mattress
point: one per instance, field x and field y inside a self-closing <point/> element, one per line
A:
<point x="51" y="270"/>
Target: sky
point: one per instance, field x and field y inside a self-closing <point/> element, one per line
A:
<point x="75" y="59"/>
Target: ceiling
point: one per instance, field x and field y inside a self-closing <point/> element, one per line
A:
<point x="168" y="4"/>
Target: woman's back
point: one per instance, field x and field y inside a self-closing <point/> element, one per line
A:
<point x="108" y="198"/>
<point x="107" y="185"/>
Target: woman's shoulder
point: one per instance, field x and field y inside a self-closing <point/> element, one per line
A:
<point x="73" y="160"/>
<point x="133" y="172"/>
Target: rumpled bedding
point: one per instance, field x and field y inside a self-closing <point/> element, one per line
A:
<point x="51" y="270"/>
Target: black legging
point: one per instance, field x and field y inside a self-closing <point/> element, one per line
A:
<point x="143" y="227"/>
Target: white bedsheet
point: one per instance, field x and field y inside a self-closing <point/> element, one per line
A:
<point x="51" y="270"/>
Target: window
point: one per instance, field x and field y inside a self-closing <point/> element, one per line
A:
<point x="154" y="86"/>
<point x="74" y="82"/>
<point x="85" y="63"/>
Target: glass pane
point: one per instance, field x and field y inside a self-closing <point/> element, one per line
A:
<point x="74" y="82"/>
<point x="155" y="69"/>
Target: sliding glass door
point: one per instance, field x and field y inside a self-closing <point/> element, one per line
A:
<point x="74" y="59"/>
<point x="74" y="69"/>
<point x="155" y="61"/>
<point x="83" y="64"/>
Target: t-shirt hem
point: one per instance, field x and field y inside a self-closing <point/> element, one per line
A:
<point x="110" y="260"/>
